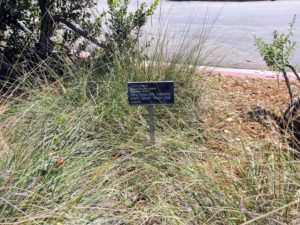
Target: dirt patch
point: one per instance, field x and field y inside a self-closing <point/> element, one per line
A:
<point x="231" y="99"/>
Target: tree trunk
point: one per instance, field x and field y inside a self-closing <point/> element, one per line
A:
<point x="44" y="47"/>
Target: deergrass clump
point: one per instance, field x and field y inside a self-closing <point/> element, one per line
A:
<point x="75" y="151"/>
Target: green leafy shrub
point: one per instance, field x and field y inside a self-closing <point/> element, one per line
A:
<point x="31" y="31"/>
<point x="125" y="27"/>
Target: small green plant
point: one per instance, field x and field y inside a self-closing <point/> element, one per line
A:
<point x="276" y="55"/>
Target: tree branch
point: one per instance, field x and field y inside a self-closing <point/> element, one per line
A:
<point x="287" y="82"/>
<point x="291" y="111"/>
<point x="24" y="28"/>
<point x="294" y="71"/>
<point x="78" y="30"/>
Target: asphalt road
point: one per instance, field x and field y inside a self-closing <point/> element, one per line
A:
<point x="229" y="27"/>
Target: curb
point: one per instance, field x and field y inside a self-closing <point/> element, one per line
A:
<point x="246" y="73"/>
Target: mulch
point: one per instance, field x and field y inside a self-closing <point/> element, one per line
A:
<point x="231" y="99"/>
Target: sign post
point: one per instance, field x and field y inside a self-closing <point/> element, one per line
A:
<point x="150" y="94"/>
<point x="151" y="123"/>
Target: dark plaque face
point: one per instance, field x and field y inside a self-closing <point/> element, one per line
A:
<point x="151" y="93"/>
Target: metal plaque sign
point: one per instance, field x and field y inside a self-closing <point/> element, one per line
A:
<point x="151" y="93"/>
